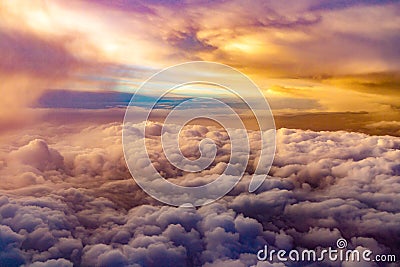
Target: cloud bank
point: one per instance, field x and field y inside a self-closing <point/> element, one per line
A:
<point x="68" y="200"/>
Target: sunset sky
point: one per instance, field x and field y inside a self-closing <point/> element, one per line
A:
<point x="337" y="58"/>
<point x="329" y="69"/>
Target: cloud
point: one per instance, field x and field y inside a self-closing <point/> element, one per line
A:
<point x="188" y="41"/>
<point x="36" y="55"/>
<point x="46" y="47"/>
<point x="67" y="198"/>
<point x="390" y="127"/>
<point x="30" y="64"/>
<point x="294" y="38"/>
<point x="38" y="155"/>
<point x="86" y="210"/>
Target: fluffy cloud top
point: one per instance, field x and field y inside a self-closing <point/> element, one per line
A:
<point x="70" y="201"/>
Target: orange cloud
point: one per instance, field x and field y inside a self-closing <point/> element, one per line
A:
<point x="62" y="44"/>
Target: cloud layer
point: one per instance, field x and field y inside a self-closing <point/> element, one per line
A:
<point x="68" y="200"/>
